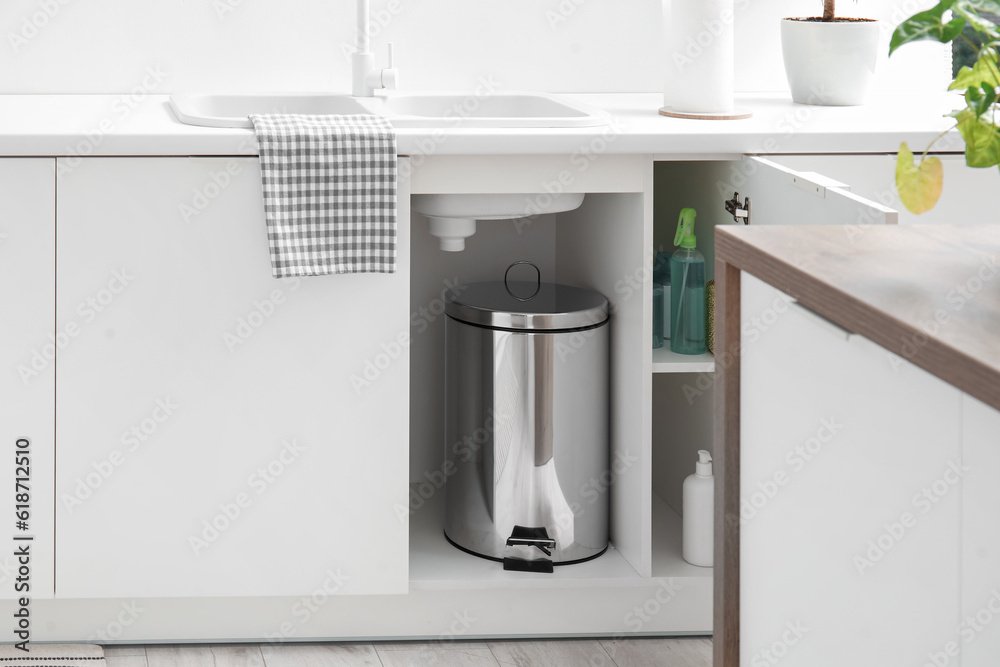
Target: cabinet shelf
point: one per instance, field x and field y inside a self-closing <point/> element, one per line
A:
<point x="668" y="560"/>
<point x="437" y="565"/>
<point x="666" y="361"/>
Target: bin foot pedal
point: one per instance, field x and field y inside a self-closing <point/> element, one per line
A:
<point x="543" y="565"/>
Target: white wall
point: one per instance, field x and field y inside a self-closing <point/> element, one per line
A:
<point x="105" y="46"/>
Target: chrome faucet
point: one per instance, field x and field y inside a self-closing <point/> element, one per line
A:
<point x="366" y="78"/>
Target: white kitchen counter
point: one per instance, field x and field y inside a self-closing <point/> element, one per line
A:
<point x="81" y="125"/>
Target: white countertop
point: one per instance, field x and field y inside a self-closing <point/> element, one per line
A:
<point x="65" y="125"/>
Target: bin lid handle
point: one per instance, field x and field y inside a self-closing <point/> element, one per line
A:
<point x="537" y="287"/>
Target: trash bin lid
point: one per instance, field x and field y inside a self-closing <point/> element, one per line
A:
<point x="528" y="305"/>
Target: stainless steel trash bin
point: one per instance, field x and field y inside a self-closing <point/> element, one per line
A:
<point x="527" y="433"/>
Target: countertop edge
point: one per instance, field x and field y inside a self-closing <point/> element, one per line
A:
<point x="76" y="126"/>
<point x="953" y="365"/>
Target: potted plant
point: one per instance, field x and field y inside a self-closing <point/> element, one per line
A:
<point x="974" y="23"/>
<point x="829" y="60"/>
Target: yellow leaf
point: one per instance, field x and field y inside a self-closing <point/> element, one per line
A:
<point x="919" y="185"/>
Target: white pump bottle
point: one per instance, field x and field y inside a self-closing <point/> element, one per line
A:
<point x="699" y="513"/>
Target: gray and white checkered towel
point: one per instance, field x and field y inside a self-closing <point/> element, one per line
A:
<point x="329" y="193"/>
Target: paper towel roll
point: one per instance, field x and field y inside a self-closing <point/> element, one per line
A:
<point x="699" y="56"/>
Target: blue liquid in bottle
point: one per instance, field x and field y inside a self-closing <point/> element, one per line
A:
<point x="687" y="290"/>
<point x="687" y="302"/>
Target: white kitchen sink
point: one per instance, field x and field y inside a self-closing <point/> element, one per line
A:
<point x="233" y="110"/>
<point x="495" y="110"/>
<point x="403" y="110"/>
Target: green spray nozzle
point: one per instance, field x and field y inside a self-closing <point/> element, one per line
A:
<point x="685" y="237"/>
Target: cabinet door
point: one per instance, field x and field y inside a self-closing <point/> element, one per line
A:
<point x="874" y="176"/>
<point x="978" y="633"/>
<point x="28" y="341"/>
<point x="783" y="196"/>
<point x="850" y="479"/>
<point x="221" y="433"/>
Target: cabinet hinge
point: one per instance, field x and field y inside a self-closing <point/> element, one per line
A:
<point x="739" y="210"/>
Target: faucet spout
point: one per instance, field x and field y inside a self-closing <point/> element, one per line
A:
<point x="362" y="41"/>
<point x="365" y="77"/>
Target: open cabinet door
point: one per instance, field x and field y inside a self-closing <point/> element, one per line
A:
<point x="783" y="196"/>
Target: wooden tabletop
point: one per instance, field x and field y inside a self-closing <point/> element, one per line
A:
<point x="930" y="294"/>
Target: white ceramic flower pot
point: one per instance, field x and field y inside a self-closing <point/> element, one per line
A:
<point x="829" y="63"/>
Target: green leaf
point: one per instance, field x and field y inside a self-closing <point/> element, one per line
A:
<point x="970" y="10"/>
<point x="980" y="73"/>
<point x="927" y="25"/>
<point x="980" y="6"/>
<point x="919" y="186"/>
<point x="982" y="140"/>
<point x="975" y="101"/>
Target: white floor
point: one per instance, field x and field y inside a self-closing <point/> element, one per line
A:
<point x="683" y="652"/>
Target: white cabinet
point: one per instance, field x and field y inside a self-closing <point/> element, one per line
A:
<point x="28" y="341"/>
<point x="977" y="632"/>
<point x="850" y="509"/>
<point x="221" y="433"/>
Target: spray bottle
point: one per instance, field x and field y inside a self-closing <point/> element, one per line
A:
<point x="687" y="293"/>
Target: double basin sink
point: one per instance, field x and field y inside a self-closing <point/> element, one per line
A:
<point x="402" y="110"/>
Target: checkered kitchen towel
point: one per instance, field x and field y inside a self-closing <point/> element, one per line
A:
<point x="329" y="193"/>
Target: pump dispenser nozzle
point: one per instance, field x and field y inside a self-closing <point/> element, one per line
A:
<point x="704" y="465"/>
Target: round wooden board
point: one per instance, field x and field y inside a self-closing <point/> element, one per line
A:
<point x="735" y="114"/>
